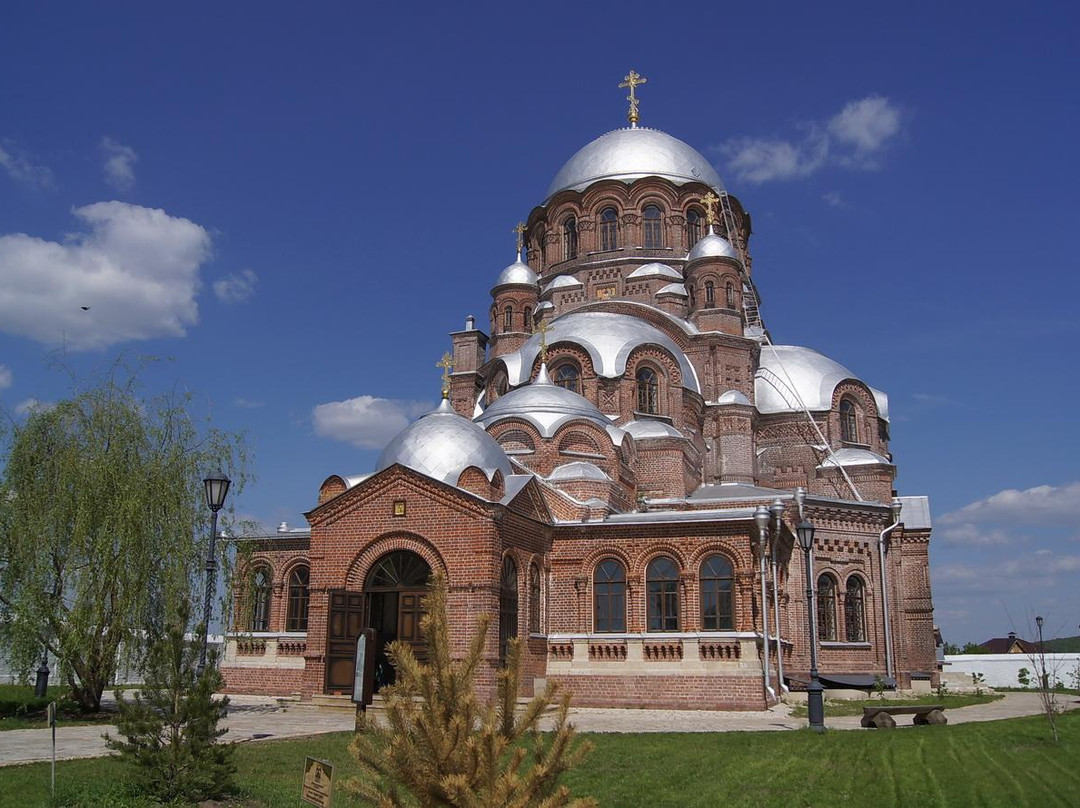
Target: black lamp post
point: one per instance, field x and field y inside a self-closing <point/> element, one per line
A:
<point x="815" y="703"/>
<point x="1042" y="654"/>
<point x="217" y="486"/>
<point x="41" y="686"/>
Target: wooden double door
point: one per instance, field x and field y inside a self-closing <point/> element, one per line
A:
<point x="394" y="614"/>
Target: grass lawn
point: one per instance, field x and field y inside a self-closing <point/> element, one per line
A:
<point x="20" y="710"/>
<point x="1003" y="763"/>
<point x="950" y="701"/>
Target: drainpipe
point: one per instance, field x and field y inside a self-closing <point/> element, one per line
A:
<point x="761" y="519"/>
<point x="777" y="510"/>
<point x="882" y="545"/>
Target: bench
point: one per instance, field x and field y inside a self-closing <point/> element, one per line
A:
<point x="882" y="717"/>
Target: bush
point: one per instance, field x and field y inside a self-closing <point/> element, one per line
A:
<point x="171" y="726"/>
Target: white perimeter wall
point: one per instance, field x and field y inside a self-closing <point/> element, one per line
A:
<point x="1000" y="670"/>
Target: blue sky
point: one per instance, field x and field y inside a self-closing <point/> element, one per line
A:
<point x="296" y="204"/>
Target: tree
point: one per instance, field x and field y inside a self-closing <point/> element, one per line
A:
<point x="102" y="524"/>
<point x="442" y="747"/>
<point x="171" y="726"/>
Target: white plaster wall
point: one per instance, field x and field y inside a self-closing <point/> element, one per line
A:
<point x="1000" y="670"/>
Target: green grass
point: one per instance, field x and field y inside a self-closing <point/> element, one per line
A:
<point x="855" y="707"/>
<point x="19" y="709"/>
<point x="1002" y="763"/>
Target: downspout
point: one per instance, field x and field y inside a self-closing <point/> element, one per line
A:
<point x="777" y="510"/>
<point x="882" y="545"/>
<point x="761" y="519"/>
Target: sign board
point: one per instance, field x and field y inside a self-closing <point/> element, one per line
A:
<point x="318" y="778"/>
<point x="364" y="669"/>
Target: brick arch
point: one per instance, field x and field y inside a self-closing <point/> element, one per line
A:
<point x="364" y="560"/>
<point x="659" y="358"/>
<point x="859" y="392"/>
<point x="290" y="565"/>
<point x="590" y="561"/>
<point x="645" y="557"/>
<point x="719" y="547"/>
<point x="661" y="192"/>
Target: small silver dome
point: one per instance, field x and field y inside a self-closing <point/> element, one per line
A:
<point x="517" y="272"/>
<point x="655" y="270"/>
<point x="546" y="406"/>
<point x="791" y="376"/>
<point x="562" y="282"/>
<point x="578" y="470"/>
<point x="674" y="289"/>
<point x="632" y="153"/>
<point x="442" y="444"/>
<point x="733" y="397"/>
<point x="648" y="428"/>
<point x="712" y="246"/>
<point x="854" y="457"/>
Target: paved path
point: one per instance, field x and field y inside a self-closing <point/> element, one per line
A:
<point x="259" y="718"/>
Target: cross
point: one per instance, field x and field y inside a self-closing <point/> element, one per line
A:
<point x="447" y="364"/>
<point x="632" y="80"/>
<point x="543" y="329"/>
<point x="520" y="230"/>
<point x="709" y="201"/>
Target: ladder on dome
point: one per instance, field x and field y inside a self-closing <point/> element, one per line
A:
<point x="751" y="299"/>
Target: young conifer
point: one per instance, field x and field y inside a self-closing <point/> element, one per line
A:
<point x="442" y="747"/>
<point x="170" y="727"/>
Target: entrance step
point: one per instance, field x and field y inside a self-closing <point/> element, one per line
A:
<point x="327" y="701"/>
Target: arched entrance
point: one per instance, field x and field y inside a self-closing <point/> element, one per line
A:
<point x="392" y="603"/>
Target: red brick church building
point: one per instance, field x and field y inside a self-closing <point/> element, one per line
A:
<point x="614" y="475"/>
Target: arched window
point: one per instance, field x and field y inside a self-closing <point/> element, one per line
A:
<point x="647" y="390"/>
<point x="296" y="617"/>
<point x="854" y="613"/>
<point x="609" y="597"/>
<point x="568" y="376"/>
<point x="653" y="231"/>
<point x="508" y="319"/>
<point x="534" y="599"/>
<point x="662" y="594"/>
<point x="849" y="426"/>
<point x="729" y="295"/>
<point x="260" y="600"/>
<point x="717" y="594"/>
<point x="528" y="320"/>
<point x="693" y="227"/>
<point x="508" y="606"/>
<point x="693" y="301"/>
<point x="570" y="236"/>
<point x="609" y="229"/>
<point x="826" y="608"/>
<point x="499" y="386"/>
<point x="710" y="294"/>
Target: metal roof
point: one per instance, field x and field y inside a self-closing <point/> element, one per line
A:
<point x="813" y="379"/>
<point x="712" y="246"/>
<point x="518" y="272"/>
<point x="915" y="512"/>
<point x="655" y="270"/>
<point x="853" y="457"/>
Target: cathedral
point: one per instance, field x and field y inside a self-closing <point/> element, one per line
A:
<point x="615" y="475"/>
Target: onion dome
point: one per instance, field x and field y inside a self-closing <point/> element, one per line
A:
<point x="733" y="397"/>
<point x="518" y="272"/>
<point x="629" y="154"/>
<point x="790" y="377"/>
<point x="442" y="444"/>
<point x="712" y="246"/>
<point x="547" y="407"/>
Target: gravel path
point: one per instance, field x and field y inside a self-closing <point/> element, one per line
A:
<point x="253" y="718"/>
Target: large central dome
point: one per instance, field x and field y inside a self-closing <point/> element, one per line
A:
<point x="632" y="153"/>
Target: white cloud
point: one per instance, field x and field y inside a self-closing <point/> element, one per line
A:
<point x="236" y="288"/>
<point x="19" y="168"/>
<point x="968" y="533"/>
<point x="855" y="137"/>
<point x="1041" y="505"/>
<point x="834" y="199"/>
<point x="6" y="377"/>
<point x="119" y="165"/>
<point x="248" y="404"/>
<point x="29" y="405"/>
<point x="365" y="421"/>
<point x="136" y="271"/>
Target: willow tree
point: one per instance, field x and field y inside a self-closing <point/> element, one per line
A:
<point x="103" y="526"/>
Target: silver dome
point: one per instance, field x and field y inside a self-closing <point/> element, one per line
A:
<point x="733" y="397"/>
<point x="517" y="272"/>
<point x="854" y="457"/>
<point x="813" y="379"/>
<point x="547" y="407"/>
<point x="712" y="246"/>
<point x="578" y="470"/>
<point x="442" y="444"/>
<point x="648" y="428"/>
<point x="562" y="282"/>
<point x="655" y="270"/>
<point x="629" y="154"/>
<point x="608" y="338"/>
<point x="674" y="289"/>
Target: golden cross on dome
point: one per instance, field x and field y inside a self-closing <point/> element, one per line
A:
<point x="633" y="80"/>
<point x="447" y="364"/>
<point x="543" y="329"/>
<point x="520" y="230"/>
<point x="709" y="201"/>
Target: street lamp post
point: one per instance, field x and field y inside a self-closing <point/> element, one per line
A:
<point x="41" y="686"/>
<point x="761" y="519"/>
<point x="216" y="486"/>
<point x="815" y="704"/>
<point x="1042" y="655"/>
<point x="777" y="511"/>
